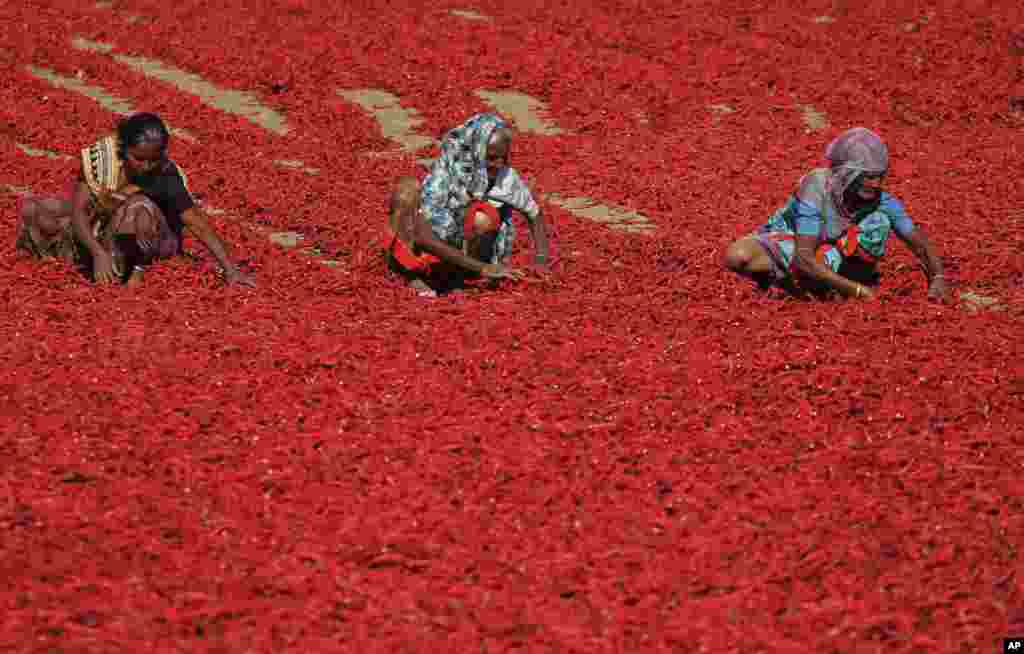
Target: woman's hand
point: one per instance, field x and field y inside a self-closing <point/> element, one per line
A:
<point x="103" y="267"/>
<point x="498" y="271"/>
<point x="922" y="247"/>
<point x="863" y="293"/>
<point x="937" y="289"/>
<point x="235" y="277"/>
<point x="195" y="219"/>
<point x="137" y="277"/>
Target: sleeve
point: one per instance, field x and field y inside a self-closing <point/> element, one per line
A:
<point x="808" y="202"/>
<point x="181" y="197"/>
<point x="513" y="191"/>
<point x="898" y="216"/>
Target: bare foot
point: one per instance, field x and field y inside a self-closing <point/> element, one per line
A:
<point x="421" y="288"/>
<point x="135" y="279"/>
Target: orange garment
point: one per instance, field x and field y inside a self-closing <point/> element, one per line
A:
<point x="425" y="264"/>
<point x="403" y="255"/>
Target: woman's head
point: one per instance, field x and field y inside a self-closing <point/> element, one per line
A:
<point x="865" y="188"/>
<point x="859" y="161"/>
<point x="498" y="147"/>
<point x="142" y="143"/>
<point x="472" y="155"/>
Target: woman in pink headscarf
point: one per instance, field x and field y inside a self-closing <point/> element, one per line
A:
<point x="836" y="226"/>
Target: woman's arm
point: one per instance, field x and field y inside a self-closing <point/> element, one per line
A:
<point x="807" y="266"/>
<point x="922" y="247"/>
<point x="424" y="238"/>
<point x="81" y="223"/>
<point x="196" y="222"/>
<point x="539" y="232"/>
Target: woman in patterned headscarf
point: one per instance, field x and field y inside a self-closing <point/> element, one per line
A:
<point x="127" y="208"/>
<point x="460" y="220"/>
<point x="835" y="225"/>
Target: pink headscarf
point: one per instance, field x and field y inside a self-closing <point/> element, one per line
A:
<point x="855" y="152"/>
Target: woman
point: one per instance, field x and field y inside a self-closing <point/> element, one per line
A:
<point x="460" y="221"/>
<point x="127" y="208"/>
<point x="836" y="226"/>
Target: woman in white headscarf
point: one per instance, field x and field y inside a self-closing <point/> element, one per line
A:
<point x="459" y="221"/>
<point x="837" y="222"/>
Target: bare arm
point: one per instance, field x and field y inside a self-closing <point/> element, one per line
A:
<point x="922" y="247"/>
<point x="81" y="223"/>
<point x="807" y="266"/>
<point x="539" y="232"/>
<point x="424" y="239"/>
<point x="80" y="220"/>
<point x="196" y="222"/>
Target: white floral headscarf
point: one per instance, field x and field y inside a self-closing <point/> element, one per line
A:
<point x="459" y="175"/>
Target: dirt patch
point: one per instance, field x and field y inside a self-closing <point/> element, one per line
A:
<point x="396" y="122"/>
<point x="813" y="119"/>
<point x="35" y="152"/>
<point x="719" y="110"/>
<point x="975" y="302"/>
<point x="295" y="164"/>
<point x="470" y="15"/>
<point x="290" y="241"/>
<point x="286" y="239"/>
<point x="15" y="190"/>
<point x="615" y="217"/>
<point x="107" y="101"/>
<point x="526" y="112"/>
<point x="235" y="102"/>
<point x="99" y="94"/>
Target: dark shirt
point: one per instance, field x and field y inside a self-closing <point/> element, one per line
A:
<point x="168" y="190"/>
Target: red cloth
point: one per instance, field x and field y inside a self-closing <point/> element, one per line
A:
<point x="469" y="220"/>
<point x="425" y="264"/>
<point x="405" y="257"/>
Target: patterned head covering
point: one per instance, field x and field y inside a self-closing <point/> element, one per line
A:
<point x="460" y="174"/>
<point x="103" y="171"/>
<point x="855" y="152"/>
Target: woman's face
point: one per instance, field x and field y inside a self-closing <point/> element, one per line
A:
<point x="868" y="188"/>
<point x="497" y="157"/>
<point x="143" y="159"/>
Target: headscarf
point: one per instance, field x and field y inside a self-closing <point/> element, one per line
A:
<point x="103" y="171"/>
<point x="855" y="152"/>
<point x="460" y="174"/>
